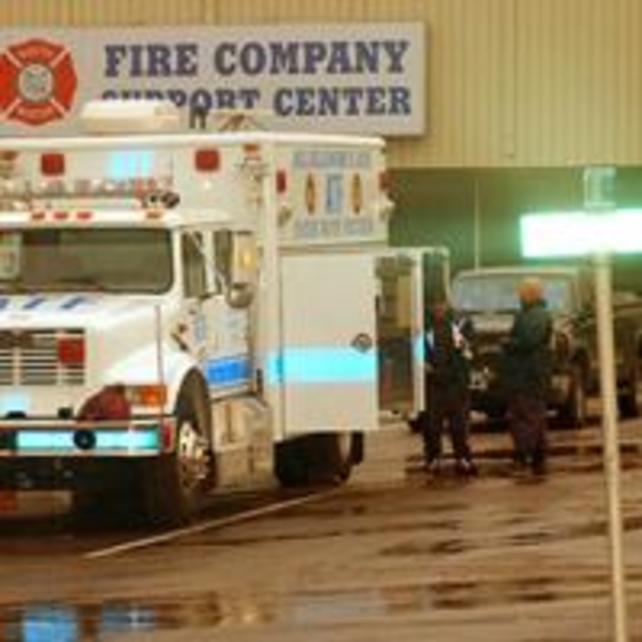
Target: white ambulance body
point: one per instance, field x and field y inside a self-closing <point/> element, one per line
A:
<point x="187" y="311"/>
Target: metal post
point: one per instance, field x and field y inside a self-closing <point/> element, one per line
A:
<point x="600" y="200"/>
<point x="608" y="389"/>
<point x="477" y="224"/>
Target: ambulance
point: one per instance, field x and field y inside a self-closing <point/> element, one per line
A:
<point x="184" y="311"/>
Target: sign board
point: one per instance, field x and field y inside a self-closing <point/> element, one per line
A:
<point x="350" y="78"/>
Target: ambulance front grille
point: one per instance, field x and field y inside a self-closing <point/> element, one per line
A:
<point x="30" y="358"/>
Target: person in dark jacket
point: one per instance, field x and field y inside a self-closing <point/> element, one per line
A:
<point x="526" y="376"/>
<point x="448" y="354"/>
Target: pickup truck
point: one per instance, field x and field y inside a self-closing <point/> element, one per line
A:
<point x="489" y="297"/>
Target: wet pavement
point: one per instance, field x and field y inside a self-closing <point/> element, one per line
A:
<point x="391" y="556"/>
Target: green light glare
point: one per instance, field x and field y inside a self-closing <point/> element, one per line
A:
<point x="574" y="233"/>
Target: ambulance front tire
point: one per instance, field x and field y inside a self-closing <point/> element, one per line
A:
<point x="318" y="459"/>
<point x="175" y="483"/>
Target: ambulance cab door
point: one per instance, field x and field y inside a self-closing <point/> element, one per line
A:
<point x="203" y="308"/>
<point x="329" y="356"/>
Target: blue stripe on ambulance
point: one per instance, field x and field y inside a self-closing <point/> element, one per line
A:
<point x="63" y="440"/>
<point x="322" y="365"/>
<point x="228" y="371"/>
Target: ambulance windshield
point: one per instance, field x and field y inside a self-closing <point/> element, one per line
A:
<point x="98" y="259"/>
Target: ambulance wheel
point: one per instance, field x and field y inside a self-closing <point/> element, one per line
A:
<point x="318" y="459"/>
<point x="174" y="485"/>
<point x="290" y="463"/>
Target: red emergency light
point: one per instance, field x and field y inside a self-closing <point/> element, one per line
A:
<point x="207" y="160"/>
<point x="61" y="215"/>
<point x="52" y="164"/>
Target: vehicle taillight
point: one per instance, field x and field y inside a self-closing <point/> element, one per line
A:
<point x="52" y="164"/>
<point x="71" y="350"/>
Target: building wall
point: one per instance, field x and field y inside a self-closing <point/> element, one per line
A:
<point x="521" y="94"/>
<point x="511" y="83"/>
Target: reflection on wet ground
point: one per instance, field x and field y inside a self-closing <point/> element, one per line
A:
<point x="75" y="623"/>
<point x="429" y="538"/>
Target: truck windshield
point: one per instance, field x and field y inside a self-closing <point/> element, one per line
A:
<point x="98" y="259"/>
<point x="498" y="292"/>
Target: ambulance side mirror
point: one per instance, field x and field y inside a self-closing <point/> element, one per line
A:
<point x="236" y="262"/>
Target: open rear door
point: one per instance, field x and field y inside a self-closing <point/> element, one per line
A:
<point x="409" y="280"/>
<point x="329" y="357"/>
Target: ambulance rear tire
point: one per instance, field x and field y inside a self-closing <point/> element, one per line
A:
<point x="175" y="484"/>
<point x="319" y="459"/>
<point x="290" y="463"/>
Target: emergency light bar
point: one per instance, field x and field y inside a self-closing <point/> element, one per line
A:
<point x="129" y="116"/>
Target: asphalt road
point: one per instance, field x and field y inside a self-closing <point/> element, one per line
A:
<point x="391" y="556"/>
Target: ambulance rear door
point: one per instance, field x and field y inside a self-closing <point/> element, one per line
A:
<point x="409" y="280"/>
<point x="329" y="357"/>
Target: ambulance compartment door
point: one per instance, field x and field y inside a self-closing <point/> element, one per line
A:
<point x="329" y="356"/>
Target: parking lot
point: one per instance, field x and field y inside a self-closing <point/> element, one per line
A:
<point x="391" y="555"/>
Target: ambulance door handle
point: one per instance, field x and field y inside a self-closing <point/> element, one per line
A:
<point x="362" y="342"/>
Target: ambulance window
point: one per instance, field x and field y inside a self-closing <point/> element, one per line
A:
<point x="222" y="240"/>
<point x="194" y="281"/>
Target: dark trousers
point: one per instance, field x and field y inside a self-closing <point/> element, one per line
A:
<point x="528" y="423"/>
<point x="448" y="410"/>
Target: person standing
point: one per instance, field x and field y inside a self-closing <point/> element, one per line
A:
<point x="527" y="373"/>
<point x="448" y="354"/>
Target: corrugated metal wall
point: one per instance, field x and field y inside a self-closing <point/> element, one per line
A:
<point x="511" y="83"/>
